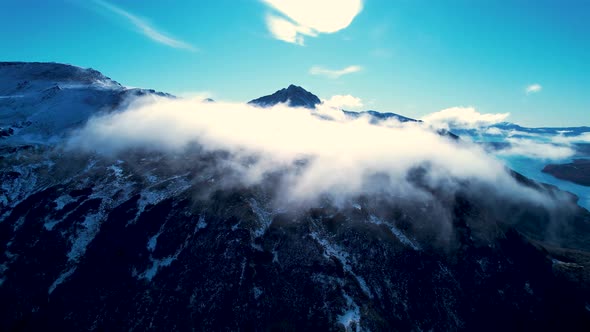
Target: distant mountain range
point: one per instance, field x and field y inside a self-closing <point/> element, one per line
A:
<point x="519" y="131"/>
<point x="296" y="96"/>
<point x="547" y="130"/>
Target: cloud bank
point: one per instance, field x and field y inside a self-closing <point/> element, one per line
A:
<point x="146" y="29"/>
<point x="562" y="139"/>
<point x="341" y="158"/>
<point x="537" y="150"/>
<point x="310" y="18"/>
<point x="463" y="117"/>
<point x="344" y="102"/>
<point x="334" y="73"/>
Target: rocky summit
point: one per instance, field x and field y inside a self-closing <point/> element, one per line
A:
<point x="294" y="96"/>
<point x="155" y="241"/>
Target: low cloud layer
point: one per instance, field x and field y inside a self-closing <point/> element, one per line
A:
<point x="463" y="117"/>
<point x="537" y="150"/>
<point x="562" y="139"/>
<point x="299" y="18"/>
<point x="339" y="157"/>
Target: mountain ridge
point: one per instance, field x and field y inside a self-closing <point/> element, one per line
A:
<point x="293" y="95"/>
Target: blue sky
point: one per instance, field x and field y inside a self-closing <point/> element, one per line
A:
<point x="412" y="57"/>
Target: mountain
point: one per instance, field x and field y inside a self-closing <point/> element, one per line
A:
<point x="39" y="101"/>
<point x="577" y="171"/>
<point x="378" y="116"/>
<point x="294" y="96"/>
<point x="157" y="241"/>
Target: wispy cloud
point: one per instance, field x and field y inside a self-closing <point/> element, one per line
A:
<point x="534" y="149"/>
<point x="287" y="31"/>
<point x="463" y="117"/>
<point x="331" y="73"/>
<point x="301" y="18"/>
<point x="533" y="88"/>
<point x="146" y="29"/>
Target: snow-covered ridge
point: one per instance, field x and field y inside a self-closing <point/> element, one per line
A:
<point x="30" y="74"/>
<point x="41" y="102"/>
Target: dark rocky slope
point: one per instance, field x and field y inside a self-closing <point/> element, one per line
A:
<point x="294" y="96"/>
<point x="144" y="240"/>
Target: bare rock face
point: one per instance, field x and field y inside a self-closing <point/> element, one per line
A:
<point x="146" y="240"/>
<point x="294" y="96"/>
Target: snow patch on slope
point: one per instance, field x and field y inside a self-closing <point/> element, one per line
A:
<point x="62" y="277"/>
<point x="201" y="224"/>
<point x="334" y="251"/>
<point x="153" y="241"/>
<point x="156" y="194"/>
<point x="396" y="232"/>
<point x="13" y="190"/>
<point x="62" y="201"/>
<point x="157" y="264"/>
<point x="85" y="235"/>
<point x="351" y="316"/>
<point x="265" y="217"/>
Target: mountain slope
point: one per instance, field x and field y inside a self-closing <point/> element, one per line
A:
<point x="144" y="240"/>
<point x="39" y="101"/>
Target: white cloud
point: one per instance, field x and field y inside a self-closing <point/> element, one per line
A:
<point x="331" y="73"/>
<point x="284" y="30"/>
<point x="344" y="101"/>
<point x="533" y="88"/>
<point x="562" y="139"/>
<point x="516" y="133"/>
<point x="463" y="117"/>
<point x="146" y="29"/>
<point x="343" y="157"/>
<point x="537" y="150"/>
<point x="310" y="17"/>
<point x="494" y="131"/>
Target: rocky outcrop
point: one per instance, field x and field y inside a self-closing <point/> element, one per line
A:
<point x="294" y="96"/>
<point x="577" y="171"/>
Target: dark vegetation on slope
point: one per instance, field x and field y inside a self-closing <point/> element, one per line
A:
<point x="148" y="240"/>
<point x="577" y="171"/>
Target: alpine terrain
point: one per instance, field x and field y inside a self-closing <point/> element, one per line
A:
<point x="154" y="240"/>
